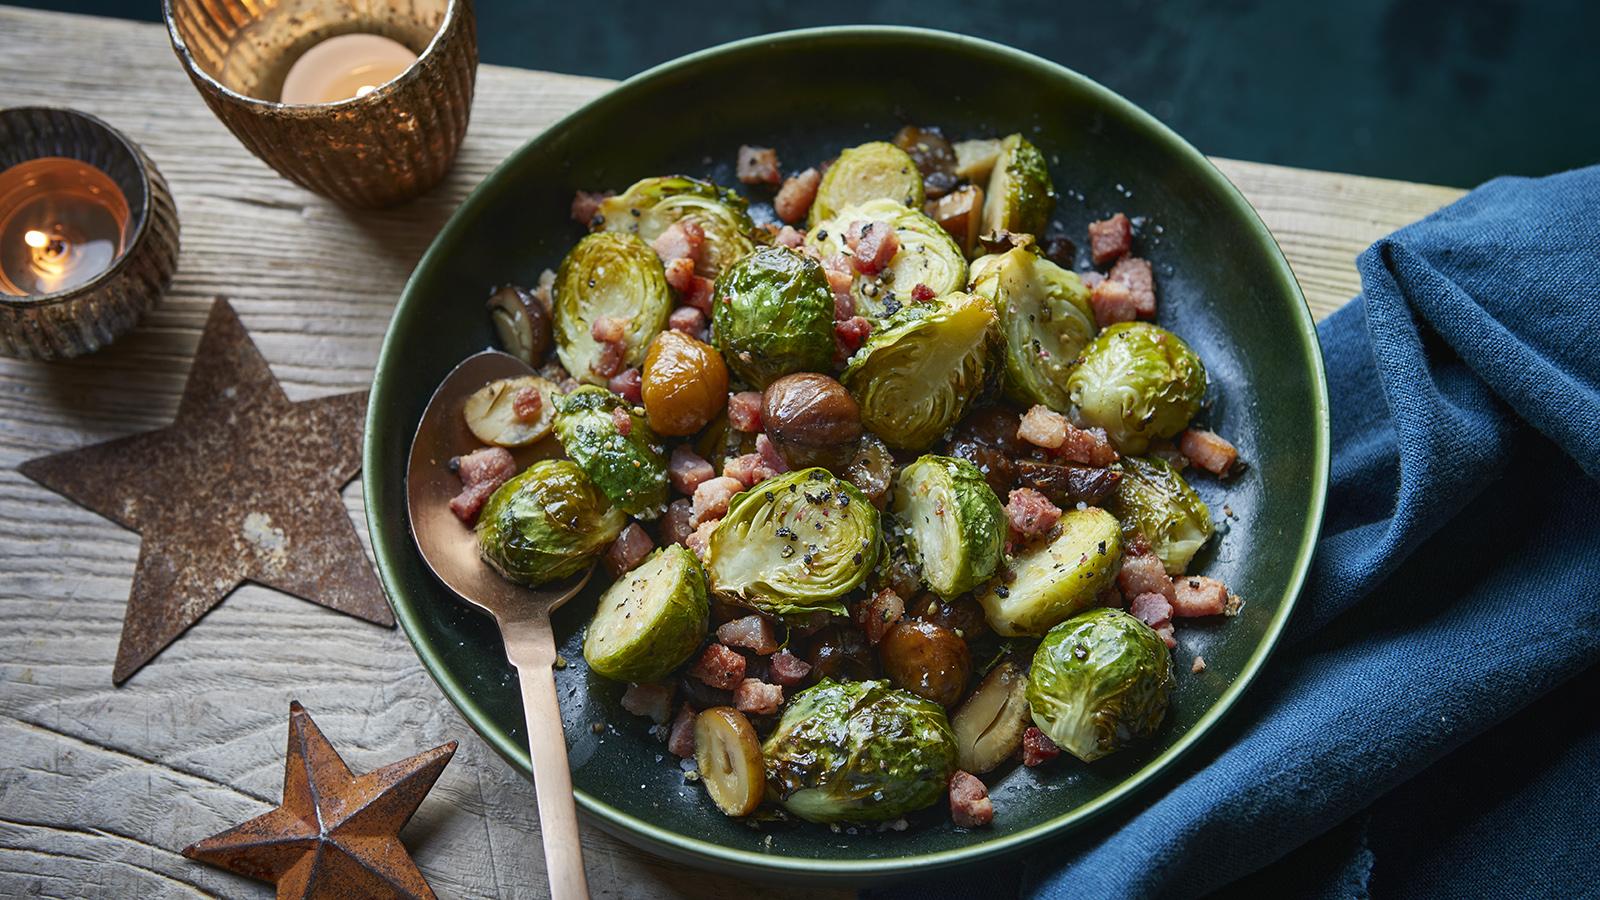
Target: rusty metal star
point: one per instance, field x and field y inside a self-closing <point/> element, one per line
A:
<point x="243" y="485"/>
<point x="335" y="834"/>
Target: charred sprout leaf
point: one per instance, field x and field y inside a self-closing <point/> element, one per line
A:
<point x="873" y="171"/>
<point x="652" y="205"/>
<point x="1019" y="196"/>
<point x="928" y="256"/>
<point x="989" y="726"/>
<point x="1100" y="681"/>
<point x="492" y="416"/>
<point x="926" y="367"/>
<point x="859" y="752"/>
<point x="651" y="620"/>
<point x="1139" y="382"/>
<point x="522" y="323"/>
<point x="772" y="315"/>
<point x="631" y="468"/>
<point x="546" y="523"/>
<point x="1152" y="499"/>
<point x="1055" y="578"/>
<point x="1045" y="314"/>
<point x="794" y="544"/>
<point x="952" y="523"/>
<point x="615" y="275"/>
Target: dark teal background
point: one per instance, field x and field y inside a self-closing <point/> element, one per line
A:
<point x="1448" y="91"/>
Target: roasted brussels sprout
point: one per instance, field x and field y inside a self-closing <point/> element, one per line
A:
<point x="926" y="367"/>
<point x="1153" y="500"/>
<point x="951" y="522"/>
<point x="546" y="523"/>
<point x="928" y="255"/>
<point x="651" y="620"/>
<point x="1139" y="382"/>
<point x="1045" y="315"/>
<point x="858" y="752"/>
<point x="1100" y="681"/>
<point x="794" y="543"/>
<point x="1019" y="197"/>
<point x="628" y="465"/>
<point x="873" y="171"/>
<point x="1053" y="580"/>
<point x="612" y="275"/>
<point x="652" y="205"/>
<point x="773" y="315"/>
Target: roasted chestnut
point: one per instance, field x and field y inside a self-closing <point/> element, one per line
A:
<point x="927" y="659"/>
<point x="811" y="419"/>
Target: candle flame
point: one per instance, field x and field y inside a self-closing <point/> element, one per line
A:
<point x="38" y="240"/>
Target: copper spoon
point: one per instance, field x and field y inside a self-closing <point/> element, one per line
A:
<point x="451" y="550"/>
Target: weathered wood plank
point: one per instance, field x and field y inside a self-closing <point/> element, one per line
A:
<point x="100" y="788"/>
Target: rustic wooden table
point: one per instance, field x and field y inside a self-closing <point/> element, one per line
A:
<point x="100" y="787"/>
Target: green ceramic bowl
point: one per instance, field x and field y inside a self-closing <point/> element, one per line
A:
<point x="1223" y="283"/>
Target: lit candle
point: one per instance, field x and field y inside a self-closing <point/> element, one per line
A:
<point x="345" y="66"/>
<point x="62" y="222"/>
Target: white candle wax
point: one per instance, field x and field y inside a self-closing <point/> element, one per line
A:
<point x="344" y="66"/>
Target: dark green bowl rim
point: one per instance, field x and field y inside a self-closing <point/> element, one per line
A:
<point x="673" y="844"/>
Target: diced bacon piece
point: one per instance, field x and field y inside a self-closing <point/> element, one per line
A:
<point x="622" y="421"/>
<point x="688" y="320"/>
<point x="1110" y="238"/>
<point x="752" y="632"/>
<point x="1136" y="275"/>
<point x="526" y="403"/>
<point x="609" y="361"/>
<point x="1090" y="446"/>
<point x="1199" y="664"/>
<point x="744" y="411"/>
<point x="844" y="299"/>
<point x="1198" y="595"/>
<point x="680" y="740"/>
<point x="711" y="498"/>
<point x="628" y="550"/>
<point x="1030" y="513"/>
<point x="922" y="293"/>
<point x="787" y="669"/>
<point x="699" y="295"/>
<point x="1151" y="609"/>
<point x="719" y="667"/>
<point x="1143" y="573"/>
<point x="1043" y="427"/>
<point x="688" y="470"/>
<point x="970" y="806"/>
<point x="680" y="274"/>
<point x="678" y="521"/>
<point x="757" y="698"/>
<point x="747" y="469"/>
<point x="683" y="239"/>
<point x="794" y="198"/>
<point x="627" y="384"/>
<point x="608" y="330"/>
<point x="1037" y="748"/>
<point x="850" y="334"/>
<point x="872" y="245"/>
<point x="1112" y="302"/>
<point x="758" y="165"/>
<point x="1091" y="279"/>
<point x="770" y="457"/>
<point x="789" y="236"/>
<point x="1109" y="597"/>
<point x="652" y="700"/>
<point x="1168" y="635"/>
<point x="879" y="614"/>
<point x="585" y="204"/>
<point x="545" y="292"/>
<point x="1208" y="450"/>
<point x="482" y="472"/>
<point x="699" y="540"/>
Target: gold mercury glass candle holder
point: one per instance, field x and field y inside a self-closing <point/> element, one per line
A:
<point x="88" y="233"/>
<point x="385" y="144"/>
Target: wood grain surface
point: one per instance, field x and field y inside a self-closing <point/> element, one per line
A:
<point x="100" y="787"/>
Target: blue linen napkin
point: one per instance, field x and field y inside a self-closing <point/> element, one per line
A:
<point x="1386" y="747"/>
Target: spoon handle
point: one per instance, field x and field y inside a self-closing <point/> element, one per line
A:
<point x="552" y="779"/>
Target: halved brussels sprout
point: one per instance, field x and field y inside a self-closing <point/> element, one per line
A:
<point x="925" y="368"/>
<point x="1045" y="314"/>
<point x="631" y="468"/>
<point x="1153" y="500"/>
<point x="877" y="170"/>
<point x="1051" y="581"/>
<point x="859" y="751"/>
<point x="615" y="275"/>
<point x="952" y="523"/>
<point x="772" y="314"/>
<point x="651" y="620"/>
<point x="794" y="544"/>
<point x="1020" y="196"/>
<point x="928" y="255"/>
<point x="652" y="205"/>
<point x="1100" y="681"/>
<point x="546" y="523"/>
<point x="1139" y="382"/>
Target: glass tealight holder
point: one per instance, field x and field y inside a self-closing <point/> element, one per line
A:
<point x="384" y="144"/>
<point x="88" y="233"/>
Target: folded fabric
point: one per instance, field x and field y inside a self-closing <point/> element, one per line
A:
<point x="1456" y="582"/>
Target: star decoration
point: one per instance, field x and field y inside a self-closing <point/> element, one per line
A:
<point x="243" y="485"/>
<point x="335" y="834"/>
